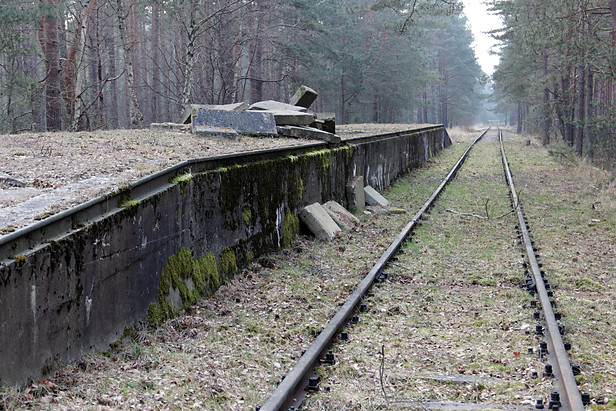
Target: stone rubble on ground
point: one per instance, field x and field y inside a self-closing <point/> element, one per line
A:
<point x="247" y="122"/>
<point x="216" y="132"/>
<point x="293" y="120"/>
<point x="308" y="133"/>
<point x="373" y="198"/>
<point x="185" y="118"/>
<point x="319" y="222"/>
<point x="355" y="194"/>
<point x="340" y="215"/>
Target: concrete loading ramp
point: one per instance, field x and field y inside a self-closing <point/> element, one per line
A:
<point x="73" y="283"/>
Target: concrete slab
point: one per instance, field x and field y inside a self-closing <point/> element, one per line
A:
<point x="303" y="97"/>
<point x="215" y="132"/>
<point x="340" y="215"/>
<point x="248" y="122"/>
<point x="327" y="121"/>
<point x="276" y="105"/>
<point x="169" y="127"/>
<point x="185" y="118"/>
<point x="288" y="117"/>
<point x="319" y="222"/>
<point x="308" y="132"/>
<point x="373" y="198"/>
<point x="355" y="194"/>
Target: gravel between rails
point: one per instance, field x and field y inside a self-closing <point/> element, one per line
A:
<point x="451" y="324"/>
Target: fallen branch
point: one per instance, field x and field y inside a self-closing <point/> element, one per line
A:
<point x="381" y="372"/>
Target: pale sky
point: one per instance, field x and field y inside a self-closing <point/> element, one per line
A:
<point x="481" y="21"/>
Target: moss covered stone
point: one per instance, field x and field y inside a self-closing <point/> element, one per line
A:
<point x="290" y="229"/>
<point x="247" y="215"/>
<point x="227" y="265"/>
<point x="191" y="278"/>
<point x="182" y="180"/>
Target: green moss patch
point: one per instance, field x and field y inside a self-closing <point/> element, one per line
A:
<point x="190" y="278"/>
<point x="290" y="229"/>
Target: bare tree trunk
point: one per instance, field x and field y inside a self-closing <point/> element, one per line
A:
<point x="613" y="10"/>
<point x="581" y="86"/>
<point x="155" y="45"/>
<point x="51" y="45"/>
<point x="113" y="116"/>
<point x="136" y="117"/>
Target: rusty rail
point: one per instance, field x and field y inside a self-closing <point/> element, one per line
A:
<point x="570" y="397"/>
<point x="291" y="391"/>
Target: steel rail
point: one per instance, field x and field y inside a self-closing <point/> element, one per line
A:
<point x="571" y="400"/>
<point x="289" y="391"/>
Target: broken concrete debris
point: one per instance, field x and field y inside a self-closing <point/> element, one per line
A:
<point x="326" y="122"/>
<point x="271" y="105"/>
<point x="247" y="122"/>
<point x="340" y="215"/>
<point x="319" y="222"/>
<point x="190" y="110"/>
<point x="293" y="120"/>
<point x="355" y="194"/>
<point x="304" y="97"/>
<point x="308" y="133"/>
<point x="170" y="127"/>
<point x="373" y="198"/>
<point x="215" y="132"/>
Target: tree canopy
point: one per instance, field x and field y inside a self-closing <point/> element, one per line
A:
<point x="89" y="64"/>
<point x="557" y="70"/>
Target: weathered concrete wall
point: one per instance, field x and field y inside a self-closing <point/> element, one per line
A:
<point x="149" y="258"/>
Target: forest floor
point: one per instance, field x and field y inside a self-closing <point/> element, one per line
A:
<point x="437" y="330"/>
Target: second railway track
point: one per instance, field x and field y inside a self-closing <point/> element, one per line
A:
<point x="463" y="330"/>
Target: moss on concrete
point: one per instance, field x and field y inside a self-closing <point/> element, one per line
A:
<point x="290" y="229"/>
<point x="191" y="278"/>
<point x="182" y="180"/>
<point x="227" y="264"/>
<point x="247" y="216"/>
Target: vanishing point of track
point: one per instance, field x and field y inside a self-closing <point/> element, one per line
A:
<point x="301" y="380"/>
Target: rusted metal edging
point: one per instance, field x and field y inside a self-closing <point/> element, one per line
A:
<point x="66" y="222"/>
<point x="289" y="392"/>
<point x="569" y="395"/>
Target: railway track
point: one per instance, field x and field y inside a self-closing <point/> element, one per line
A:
<point x="551" y="350"/>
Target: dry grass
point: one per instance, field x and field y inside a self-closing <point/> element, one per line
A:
<point x="453" y="308"/>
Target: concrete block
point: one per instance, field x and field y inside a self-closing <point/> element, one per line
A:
<point x="340" y="215"/>
<point x="303" y="97"/>
<point x="288" y="117"/>
<point x="185" y="118"/>
<point x="215" y="132"/>
<point x="328" y="121"/>
<point x="248" y="122"/>
<point x="355" y="194"/>
<point x="169" y="127"/>
<point x="373" y="198"/>
<point x="319" y="222"/>
<point x="308" y="132"/>
<point x="276" y="105"/>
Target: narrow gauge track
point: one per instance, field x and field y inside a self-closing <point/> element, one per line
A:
<point x="298" y="382"/>
<point x="301" y="379"/>
<point x="569" y="395"/>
